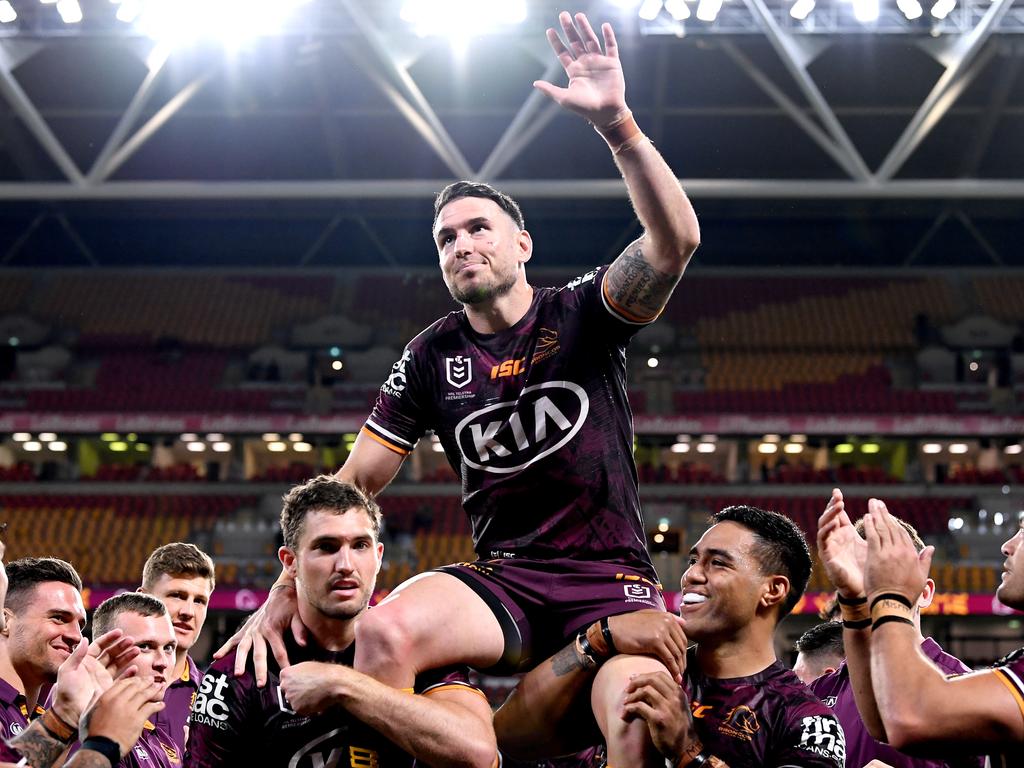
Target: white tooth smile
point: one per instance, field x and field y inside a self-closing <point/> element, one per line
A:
<point x="693" y="599"/>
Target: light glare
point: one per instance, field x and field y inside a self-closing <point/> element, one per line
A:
<point x="931" y="448"/>
<point x="232" y="21"/>
<point x="911" y="9"/>
<point x="70" y="11"/>
<point x="865" y="10"/>
<point x="7" y="12"/>
<point x="32" y="445"/>
<point x="801" y="9"/>
<point x="707" y="10"/>
<point x="650" y="9"/>
<point x="677" y="9"/>
<point x="942" y="8"/>
<point x="461" y="19"/>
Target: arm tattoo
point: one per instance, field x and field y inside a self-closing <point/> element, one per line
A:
<point x="37" y="746"/>
<point x="566" y="661"/>
<point x="636" y="286"/>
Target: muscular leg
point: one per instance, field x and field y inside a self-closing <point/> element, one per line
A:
<point x="430" y="621"/>
<point x="629" y="744"/>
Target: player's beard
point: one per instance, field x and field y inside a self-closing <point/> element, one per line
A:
<point x="347" y="610"/>
<point x="500" y="286"/>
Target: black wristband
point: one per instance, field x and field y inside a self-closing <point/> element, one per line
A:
<point x="702" y="758"/>
<point x="607" y="633"/>
<point x="890" y="618"/>
<point x="851" y="600"/>
<point x="588" y="651"/>
<point x="862" y="624"/>
<point x="109" y="748"/>
<point x="892" y="596"/>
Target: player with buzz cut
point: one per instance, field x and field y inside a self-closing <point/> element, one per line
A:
<point x="819" y="651"/>
<point x="525" y="388"/>
<point x="181" y="576"/>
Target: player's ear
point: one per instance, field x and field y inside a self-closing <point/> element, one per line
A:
<point x="926" y="594"/>
<point x="380" y="556"/>
<point x="776" y="590"/>
<point x="287" y="558"/>
<point x="524" y="243"/>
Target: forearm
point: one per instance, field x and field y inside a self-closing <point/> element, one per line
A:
<point x="910" y="693"/>
<point x="669" y="221"/>
<point x="39" y="748"/>
<point x="436" y="732"/>
<point x="530" y="721"/>
<point x="857" y="643"/>
<point x="86" y="758"/>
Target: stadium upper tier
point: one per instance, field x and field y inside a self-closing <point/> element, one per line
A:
<point x="234" y="342"/>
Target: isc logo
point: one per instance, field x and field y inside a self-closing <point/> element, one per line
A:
<point x="506" y="437"/>
<point x="509" y="368"/>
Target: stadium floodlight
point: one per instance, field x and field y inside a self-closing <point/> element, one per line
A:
<point x="277" y="446"/>
<point x="271" y="437"/>
<point x="680" y="448"/>
<point x="943" y="8"/>
<point x="222" y="446"/>
<point x="997" y="519"/>
<point x="707" y="10"/>
<point x="772" y="438"/>
<point x="70" y="11"/>
<point x="232" y="21"/>
<point x="768" y="448"/>
<point x="461" y="19"/>
<point x="32" y="445"/>
<point x="931" y="448"/>
<point x="47" y="2"/>
<point x="302" y="447"/>
<point x="1013" y="449"/>
<point x="58" y="446"/>
<point x="214" y="437"/>
<point x="958" y="448"/>
<point x="705" y="447"/>
<point x="295" y="437"/>
<point x="793" y="448"/>
<point x="7" y="12"/>
<point x="47" y="437"/>
<point x="196" y="446"/>
<point x="844" y="448"/>
<point x="649" y="9"/>
<point x="189" y="437"/>
<point x="801" y="9"/>
<point x="866" y="11"/>
<point x="870" y="448"/>
<point x="911" y="9"/>
<point x="677" y="9"/>
<point x="21" y="437"/>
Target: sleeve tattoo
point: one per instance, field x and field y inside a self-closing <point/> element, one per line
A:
<point x="636" y="285"/>
<point x="37" y="746"/>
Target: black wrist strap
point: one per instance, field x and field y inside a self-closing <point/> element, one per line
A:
<point x="109" y="748"/>
<point x="888" y="619"/>
<point x="851" y="600"/>
<point x="701" y="759"/>
<point x="862" y="624"/>
<point x="607" y="633"/>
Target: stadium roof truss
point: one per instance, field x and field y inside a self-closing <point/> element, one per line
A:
<point x="127" y="132"/>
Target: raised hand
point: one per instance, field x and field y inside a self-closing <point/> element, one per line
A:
<point x="842" y="551"/>
<point x="596" y="89"/>
<point x="122" y="711"/>
<point x="894" y="564"/>
<point x="665" y="707"/>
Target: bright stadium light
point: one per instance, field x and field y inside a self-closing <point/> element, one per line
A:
<point x="7" y="12"/>
<point x="232" y="21"/>
<point x="128" y="11"/>
<point x="997" y="519"/>
<point x="793" y="448"/>
<point x="707" y="10"/>
<point x="768" y="448"/>
<point x="196" y="446"/>
<point x="70" y="11"/>
<point x="801" y="9"/>
<point x="865" y="10"/>
<point x="911" y="9"/>
<point x="958" y="448"/>
<point x="21" y="437"/>
<point x="222" y="446"/>
<point x="680" y="448"/>
<point x="1014" y="449"/>
<point x="462" y="19"/>
<point x="932" y="448"/>
<point x="58" y="446"/>
<point x="649" y="9"/>
<point x="32" y="445"/>
<point x="943" y="8"/>
<point x="677" y="9"/>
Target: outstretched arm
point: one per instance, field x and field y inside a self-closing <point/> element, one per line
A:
<point x="641" y="279"/>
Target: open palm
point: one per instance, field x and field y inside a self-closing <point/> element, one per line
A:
<point x="596" y="89"/>
<point x="842" y="551"/>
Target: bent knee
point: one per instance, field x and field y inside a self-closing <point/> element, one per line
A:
<point x="385" y="636"/>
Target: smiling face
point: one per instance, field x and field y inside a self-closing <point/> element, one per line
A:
<point x="724" y="585"/>
<point x="44" y="632"/>
<point x="335" y="563"/>
<point x="187" y="599"/>
<point x="481" y="249"/>
<point x="1011" y="590"/>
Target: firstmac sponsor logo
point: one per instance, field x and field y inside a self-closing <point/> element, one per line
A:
<point x="509" y="436"/>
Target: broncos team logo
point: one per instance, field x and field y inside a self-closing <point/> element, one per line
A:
<point x="507" y="437"/>
<point x="740" y="723"/>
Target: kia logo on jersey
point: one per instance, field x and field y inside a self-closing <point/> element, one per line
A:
<point x="507" y="437"/>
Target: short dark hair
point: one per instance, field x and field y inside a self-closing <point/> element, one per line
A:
<point x="324" y="493"/>
<point x="177" y="559"/>
<point x="823" y="638"/>
<point x="105" y="617"/>
<point x="460" y="189"/>
<point x="782" y="547"/>
<point x="24" y="575"/>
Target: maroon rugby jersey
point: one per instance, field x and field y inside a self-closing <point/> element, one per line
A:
<point x="1010" y="671"/>
<point x="836" y="690"/>
<point x="234" y="723"/>
<point x="767" y="720"/>
<point x="178" y="704"/>
<point x="13" y="717"/>
<point x="535" y="421"/>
